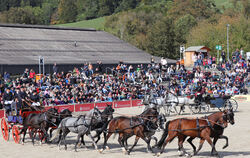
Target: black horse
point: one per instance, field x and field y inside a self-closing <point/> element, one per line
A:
<point x="101" y="127"/>
<point x="39" y="121"/>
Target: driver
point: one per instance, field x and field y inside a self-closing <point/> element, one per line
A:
<point x="8" y="98"/>
<point x="199" y="91"/>
<point x="35" y="99"/>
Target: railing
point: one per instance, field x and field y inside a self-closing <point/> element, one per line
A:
<point x="89" y="106"/>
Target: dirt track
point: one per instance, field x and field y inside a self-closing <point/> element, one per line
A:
<point x="239" y="143"/>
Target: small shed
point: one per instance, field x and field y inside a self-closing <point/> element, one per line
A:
<point x="190" y="52"/>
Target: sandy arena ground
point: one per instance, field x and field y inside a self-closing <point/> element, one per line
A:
<point x="238" y="134"/>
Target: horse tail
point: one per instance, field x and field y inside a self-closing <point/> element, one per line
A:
<point x="59" y="128"/>
<point x="164" y="135"/>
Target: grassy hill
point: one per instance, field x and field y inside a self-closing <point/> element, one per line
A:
<point x="225" y="3"/>
<point x="97" y="23"/>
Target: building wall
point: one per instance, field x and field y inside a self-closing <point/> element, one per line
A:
<point x="188" y="61"/>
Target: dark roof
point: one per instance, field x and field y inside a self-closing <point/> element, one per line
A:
<point x="24" y="45"/>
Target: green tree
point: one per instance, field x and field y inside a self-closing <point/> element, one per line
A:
<point x="183" y="26"/>
<point x="161" y="39"/>
<point x="67" y="11"/>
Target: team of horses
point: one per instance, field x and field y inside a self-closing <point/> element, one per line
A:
<point x="141" y="126"/>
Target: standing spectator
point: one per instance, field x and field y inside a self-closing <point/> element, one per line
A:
<point x="223" y="55"/>
<point x="32" y="74"/>
<point x="99" y="67"/>
<point x="6" y="76"/>
<point x="55" y="69"/>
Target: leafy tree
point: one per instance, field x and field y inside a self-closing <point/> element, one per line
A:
<point x="161" y="39"/>
<point x="67" y="11"/>
<point x="200" y="9"/>
<point x="183" y="26"/>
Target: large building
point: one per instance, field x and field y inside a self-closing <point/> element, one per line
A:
<point x="21" y="46"/>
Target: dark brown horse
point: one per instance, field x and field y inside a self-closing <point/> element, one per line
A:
<point x="129" y="126"/>
<point x="200" y="127"/>
<point x="217" y="132"/>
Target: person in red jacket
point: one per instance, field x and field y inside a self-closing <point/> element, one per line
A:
<point x="32" y="74"/>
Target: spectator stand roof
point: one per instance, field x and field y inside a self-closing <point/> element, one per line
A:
<point x="23" y="44"/>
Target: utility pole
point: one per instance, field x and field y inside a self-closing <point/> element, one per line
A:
<point x="228" y="42"/>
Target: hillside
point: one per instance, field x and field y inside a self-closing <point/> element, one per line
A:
<point x="97" y="24"/>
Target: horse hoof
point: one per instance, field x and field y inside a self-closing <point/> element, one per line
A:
<point x="158" y="154"/>
<point x="100" y="151"/>
<point x="107" y="148"/>
<point x="224" y="147"/>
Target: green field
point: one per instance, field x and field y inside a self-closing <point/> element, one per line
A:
<point x="225" y="3"/>
<point x="97" y="24"/>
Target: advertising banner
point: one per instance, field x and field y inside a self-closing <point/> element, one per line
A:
<point x="83" y="107"/>
<point x="137" y="103"/>
<point x="102" y="106"/>
<point x="122" y="104"/>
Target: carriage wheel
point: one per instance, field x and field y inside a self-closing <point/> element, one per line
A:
<point x="5" y="129"/>
<point x="15" y="134"/>
<point x="233" y="104"/>
<point x="34" y="135"/>
<point x="40" y="135"/>
<point x="204" y="108"/>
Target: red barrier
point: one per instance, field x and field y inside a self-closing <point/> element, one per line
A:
<point x="63" y="107"/>
<point x="137" y="103"/>
<point x="122" y="104"/>
<point x="83" y="107"/>
<point x="1" y="113"/>
<point x="102" y="106"/>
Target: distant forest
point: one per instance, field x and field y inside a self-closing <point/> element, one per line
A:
<point x="156" y="26"/>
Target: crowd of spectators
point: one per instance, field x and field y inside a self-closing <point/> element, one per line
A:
<point x="90" y="84"/>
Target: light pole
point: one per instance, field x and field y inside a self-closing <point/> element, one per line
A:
<point x="227" y="42"/>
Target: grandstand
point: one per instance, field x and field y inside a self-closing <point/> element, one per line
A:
<point x="21" y="45"/>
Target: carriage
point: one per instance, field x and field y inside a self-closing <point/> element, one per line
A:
<point x="13" y="124"/>
<point x="222" y="103"/>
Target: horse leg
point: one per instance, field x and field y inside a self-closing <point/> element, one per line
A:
<point x="98" y="134"/>
<point x="33" y="136"/>
<point x="214" y="142"/>
<point x="105" y="141"/>
<point x="202" y="140"/>
<point x="190" y="139"/>
<point x="223" y="137"/>
<point x="50" y="132"/>
<point x="82" y="141"/>
<point x="60" y="136"/>
<point x="93" y="141"/>
<point x="136" y="141"/>
<point x="24" y="130"/>
<point x="104" y="135"/>
<point x="77" y="141"/>
<point x="171" y="136"/>
<point x="181" y="139"/>
<point x="121" y="142"/>
<point x="214" y="152"/>
<point x="65" y="133"/>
